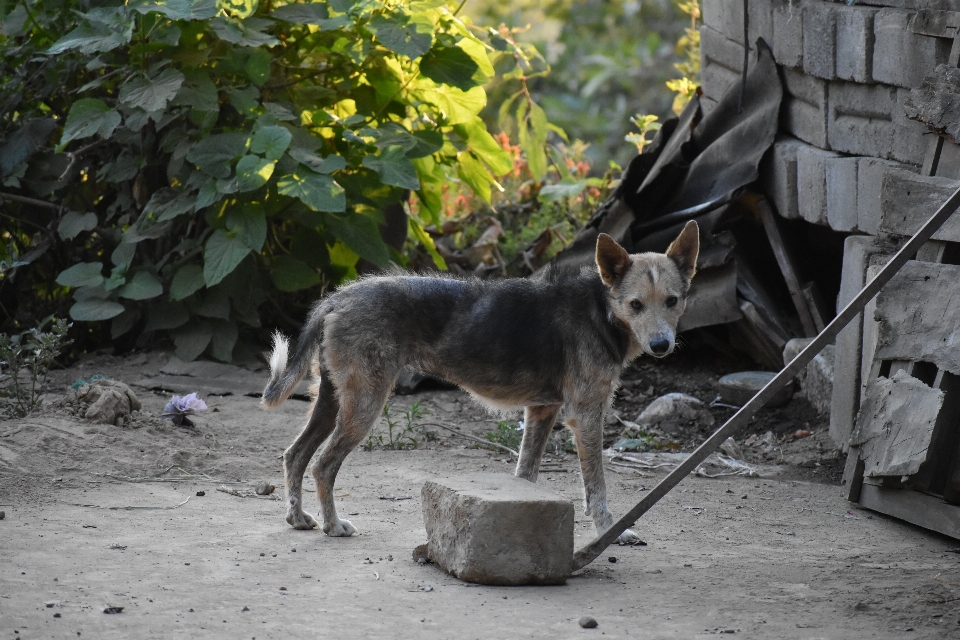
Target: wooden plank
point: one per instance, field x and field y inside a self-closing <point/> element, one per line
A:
<point x="759" y="338"/>
<point x="818" y="307"/>
<point x="906" y="200"/>
<point x="943" y="452"/>
<point x="918" y="316"/>
<point x="916" y="508"/>
<point x="895" y="425"/>
<point x="853" y="474"/>
<point x="787" y="268"/>
<point x="932" y="251"/>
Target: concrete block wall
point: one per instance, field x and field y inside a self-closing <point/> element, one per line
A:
<point x="847" y="69"/>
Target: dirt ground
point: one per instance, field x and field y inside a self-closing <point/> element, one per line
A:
<point x="134" y="517"/>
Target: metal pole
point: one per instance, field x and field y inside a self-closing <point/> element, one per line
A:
<point x="589" y="553"/>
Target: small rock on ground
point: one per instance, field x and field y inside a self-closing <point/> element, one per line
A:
<point x="588" y="622"/>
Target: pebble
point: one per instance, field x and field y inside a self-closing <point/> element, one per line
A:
<point x="588" y="622"/>
<point x="612" y="559"/>
<point x="200" y="494"/>
<point x="3" y="514"/>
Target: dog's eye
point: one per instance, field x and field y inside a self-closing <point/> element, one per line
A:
<point x="636" y="304"/>
<point x="672" y="301"/>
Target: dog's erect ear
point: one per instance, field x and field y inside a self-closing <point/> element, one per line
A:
<point x="612" y="259"/>
<point x="685" y="248"/>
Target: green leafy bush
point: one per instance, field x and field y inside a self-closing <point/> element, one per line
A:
<point x="187" y="167"/>
<point x="25" y="361"/>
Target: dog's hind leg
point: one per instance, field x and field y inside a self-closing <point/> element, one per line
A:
<point x="586" y="423"/>
<point x="361" y="402"/>
<point x="323" y="418"/>
<point x="538" y="422"/>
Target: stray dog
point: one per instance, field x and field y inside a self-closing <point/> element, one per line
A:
<point x="555" y="342"/>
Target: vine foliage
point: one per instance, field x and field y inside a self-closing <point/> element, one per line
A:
<point x="177" y="167"/>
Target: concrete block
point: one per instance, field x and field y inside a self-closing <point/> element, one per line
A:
<point x="816" y="380"/>
<point x="911" y="137"/>
<point x="778" y="174"/>
<point x="900" y="56"/>
<point x="707" y="103"/>
<point x="908" y="199"/>
<point x="788" y="34"/>
<point x="861" y="119"/>
<point x="855" y="43"/>
<point x="869" y="180"/>
<point x="804" y="107"/>
<point x="820" y="40"/>
<point x="812" y="183"/>
<point x="761" y="21"/>
<point x="724" y="16"/>
<point x="845" y="399"/>
<point x="493" y="528"/>
<point x="721" y="62"/>
<point x="842" y="188"/>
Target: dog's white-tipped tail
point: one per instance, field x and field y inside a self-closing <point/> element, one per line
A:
<point x="275" y="393"/>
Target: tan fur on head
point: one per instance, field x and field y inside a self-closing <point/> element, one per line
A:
<point x="685" y="249"/>
<point x="612" y="259"/>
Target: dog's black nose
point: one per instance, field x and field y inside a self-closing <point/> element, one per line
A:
<point x="659" y="345"/>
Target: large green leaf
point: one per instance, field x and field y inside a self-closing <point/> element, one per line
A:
<point x="177" y="9"/>
<point x="395" y="168"/>
<point x="452" y="66"/>
<point x="319" y="192"/>
<point x="73" y="223"/>
<point x="245" y="34"/>
<point x="213" y="154"/>
<point x="166" y="204"/>
<point x="253" y="172"/>
<point x="187" y="280"/>
<point x="312" y="13"/>
<point x="199" y="92"/>
<point x="249" y="225"/>
<point x="472" y="171"/>
<point x="321" y="165"/>
<point x="81" y="275"/>
<point x="240" y="8"/>
<point x="485" y="146"/>
<point x="362" y="235"/>
<point x="414" y="145"/>
<point x="105" y="29"/>
<point x="95" y="309"/>
<point x="142" y="286"/>
<point x="291" y="274"/>
<point x="223" y="340"/>
<point x="221" y="255"/>
<point x="166" y="315"/>
<point x="257" y="67"/>
<point x="192" y="340"/>
<point x="87" y="117"/>
<point x="406" y="36"/>
<point x="456" y="105"/>
<point x="152" y="94"/>
<point x="271" y="141"/>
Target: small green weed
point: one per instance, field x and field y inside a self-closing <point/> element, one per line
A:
<point x="508" y="434"/>
<point x="397" y="438"/>
<point x="32" y="351"/>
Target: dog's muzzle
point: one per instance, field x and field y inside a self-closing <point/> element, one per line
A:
<point x="660" y="346"/>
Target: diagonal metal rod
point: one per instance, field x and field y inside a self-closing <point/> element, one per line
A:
<point x="589" y="553"/>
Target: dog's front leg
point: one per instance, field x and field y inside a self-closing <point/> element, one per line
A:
<point x="538" y="422"/>
<point x="587" y="426"/>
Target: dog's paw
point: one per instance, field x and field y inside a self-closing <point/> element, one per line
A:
<point x="299" y="519"/>
<point x="629" y="537"/>
<point x="339" y="528"/>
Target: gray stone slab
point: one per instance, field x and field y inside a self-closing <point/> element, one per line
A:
<point x="841" y="174"/>
<point x="855" y="43"/>
<point x="722" y="62"/>
<point x="816" y="379"/>
<point x="724" y="17"/>
<point x="812" y="183"/>
<point x="493" y="528"/>
<point x="210" y="378"/>
<point x="912" y="137"/>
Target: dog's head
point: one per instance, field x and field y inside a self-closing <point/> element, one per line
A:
<point x="648" y="291"/>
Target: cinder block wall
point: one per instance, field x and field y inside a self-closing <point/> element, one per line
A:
<point x="844" y="138"/>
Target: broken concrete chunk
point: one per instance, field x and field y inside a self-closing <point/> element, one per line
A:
<point x="102" y="400"/>
<point x="498" y="529"/>
<point x="895" y="425"/>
